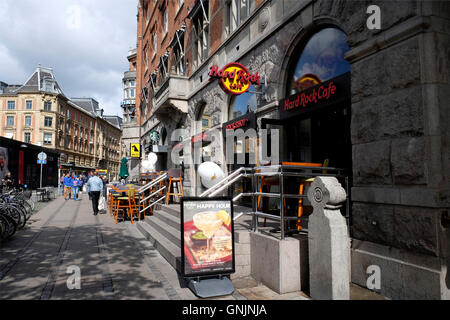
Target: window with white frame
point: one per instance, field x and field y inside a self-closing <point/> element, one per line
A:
<point x="48" y="121"/>
<point x="48" y="106"/>
<point x="163" y="68"/>
<point x="200" y="23"/>
<point x="238" y="12"/>
<point x="68" y="113"/>
<point x="178" y="60"/>
<point x="11" y="105"/>
<point x="48" y="138"/>
<point x="28" y="121"/>
<point x="29" y="104"/>
<point x="166" y="21"/>
<point x="27" y="137"/>
<point x="10" y="121"/>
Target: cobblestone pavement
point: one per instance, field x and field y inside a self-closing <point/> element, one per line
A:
<point x="115" y="261"/>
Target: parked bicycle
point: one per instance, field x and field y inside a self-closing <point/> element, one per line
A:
<point x="16" y="208"/>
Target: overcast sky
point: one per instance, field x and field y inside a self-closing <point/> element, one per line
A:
<point x="85" y="42"/>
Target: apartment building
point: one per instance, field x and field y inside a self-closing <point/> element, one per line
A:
<point x="382" y="118"/>
<point x="131" y="127"/>
<point x="39" y="113"/>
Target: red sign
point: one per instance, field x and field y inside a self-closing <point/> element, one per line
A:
<point x="237" y="124"/>
<point x="234" y="78"/>
<point x="314" y="96"/>
<point x="199" y="137"/>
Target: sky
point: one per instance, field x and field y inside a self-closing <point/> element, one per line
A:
<point x="86" y="42"/>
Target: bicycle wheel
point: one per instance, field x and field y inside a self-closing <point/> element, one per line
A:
<point x="17" y="214"/>
<point x="9" y="225"/>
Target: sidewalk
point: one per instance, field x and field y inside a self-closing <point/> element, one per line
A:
<point x="115" y="261"/>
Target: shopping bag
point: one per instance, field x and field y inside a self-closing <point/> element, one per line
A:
<point x="101" y="203"/>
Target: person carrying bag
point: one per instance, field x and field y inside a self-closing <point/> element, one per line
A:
<point x="95" y="186"/>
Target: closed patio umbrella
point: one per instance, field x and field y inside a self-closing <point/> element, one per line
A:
<point x="124" y="169"/>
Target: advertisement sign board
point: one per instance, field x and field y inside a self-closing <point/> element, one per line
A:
<point x="207" y="236"/>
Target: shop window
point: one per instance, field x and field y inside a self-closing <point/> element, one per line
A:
<point x="242" y="104"/>
<point x="321" y="59"/>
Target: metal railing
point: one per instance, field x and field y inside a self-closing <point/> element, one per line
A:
<point x="146" y="192"/>
<point x="281" y="172"/>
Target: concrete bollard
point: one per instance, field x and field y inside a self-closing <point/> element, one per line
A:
<point x="328" y="241"/>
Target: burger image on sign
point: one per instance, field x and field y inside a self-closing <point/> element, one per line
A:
<point x="234" y="78"/>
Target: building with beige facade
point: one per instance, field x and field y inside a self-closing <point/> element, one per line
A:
<point x="39" y="113"/>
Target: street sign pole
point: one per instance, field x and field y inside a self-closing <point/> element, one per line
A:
<point x="41" y="177"/>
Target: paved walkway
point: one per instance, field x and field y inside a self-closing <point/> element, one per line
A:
<point x="115" y="261"/>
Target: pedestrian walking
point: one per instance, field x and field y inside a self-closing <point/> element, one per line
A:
<point x="67" y="181"/>
<point x="80" y="186"/>
<point x="76" y="188"/>
<point x="95" y="185"/>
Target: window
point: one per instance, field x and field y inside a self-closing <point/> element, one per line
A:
<point x="47" y="138"/>
<point x="180" y="4"/>
<point x="29" y="104"/>
<point x="205" y="123"/>
<point x="146" y="60"/>
<point x="10" y="121"/>
<point x="243" y="104"/>
<point x="11" y="105"/>
<point x="48" y="106"/>
<point x="132" y="93"/>
<point x="178" y="52"/>
<point x="200" y="24"/>
<point x="163" y="68"/>
<point x="48" y="121"/>
<point x="238" y="12"/>
<point x="321" y="59"/>
<point x="155" y="43"/>
<point x="27" y="137"/>
<point x="68" y="113"/>
<point x="28" y="121"/>
<point x="166" y="21"/>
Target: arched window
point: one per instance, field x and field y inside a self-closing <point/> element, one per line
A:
<point x="242" y="104"/>
<point x="321" y="59"/>
<point x="205" y="118"/>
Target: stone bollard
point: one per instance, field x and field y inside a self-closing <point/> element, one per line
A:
<point x="328" y="241"/>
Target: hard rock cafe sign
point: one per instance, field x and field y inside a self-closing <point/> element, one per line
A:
<point x="234" y="78"/>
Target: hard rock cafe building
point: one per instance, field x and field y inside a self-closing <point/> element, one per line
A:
<point x="374" y="102"/>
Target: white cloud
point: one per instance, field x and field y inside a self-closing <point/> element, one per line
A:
<point x="85" y="42"/>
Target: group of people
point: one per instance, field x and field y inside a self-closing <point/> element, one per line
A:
<point x="95" y="187"/>
<point x="72" y="184"/>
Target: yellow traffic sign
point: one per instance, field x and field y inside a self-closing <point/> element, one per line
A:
<point x="135" y="150"/>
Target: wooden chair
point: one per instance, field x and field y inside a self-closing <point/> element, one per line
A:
<point x="133" y="208"/>
<point x="175" y="181"/>
<point x="267" y="183"/>
<point x="122" y="204"/>
<point x="304" y="183"/>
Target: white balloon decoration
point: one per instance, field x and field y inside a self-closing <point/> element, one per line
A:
<point x="210" y="173"/>
<point x="149" y="164"/>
